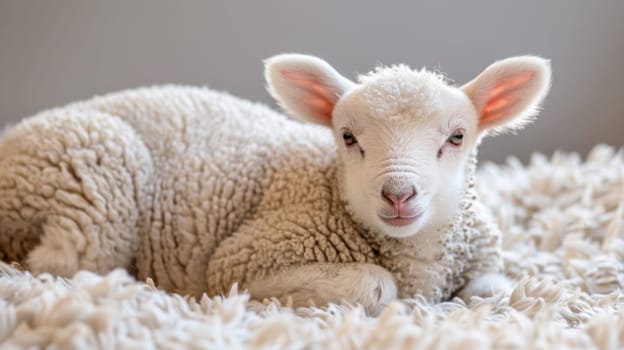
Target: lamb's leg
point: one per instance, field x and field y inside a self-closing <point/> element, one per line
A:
<point x="70" y="190"/>
<point x="323" y="283"/>
<point x="284" y="253"/>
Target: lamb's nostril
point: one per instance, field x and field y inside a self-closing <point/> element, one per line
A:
<point x="388" y="196"/>
<point x="409" y="196"/>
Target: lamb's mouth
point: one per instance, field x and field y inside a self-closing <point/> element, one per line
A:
<point x="401" y="220"/>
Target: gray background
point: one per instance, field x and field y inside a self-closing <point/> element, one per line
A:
<point x="54" y="52"/>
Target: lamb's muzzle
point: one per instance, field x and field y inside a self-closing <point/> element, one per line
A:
<point x="400" y="211"/>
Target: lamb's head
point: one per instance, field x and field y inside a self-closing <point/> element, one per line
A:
<point x="404" y="136"/>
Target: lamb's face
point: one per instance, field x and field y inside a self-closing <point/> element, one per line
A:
<point x="404" y="136"/>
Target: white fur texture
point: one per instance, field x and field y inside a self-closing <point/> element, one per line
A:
<point x="200" y="190"/>
<point x="563" y="247"/>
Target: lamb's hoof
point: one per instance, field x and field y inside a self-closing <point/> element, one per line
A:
<point x="377" y="289"/>
<point x="485" y="286"/>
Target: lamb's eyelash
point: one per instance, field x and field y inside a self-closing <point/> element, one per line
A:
<point x="452" y="125"/>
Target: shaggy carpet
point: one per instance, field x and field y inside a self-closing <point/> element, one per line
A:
<point x="564" y="247"/>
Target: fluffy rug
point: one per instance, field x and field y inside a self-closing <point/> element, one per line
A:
<point x="564" y="245"/>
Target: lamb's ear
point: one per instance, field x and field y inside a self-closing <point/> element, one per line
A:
<point x="508" y="93"/>
<point x="305" y="86"/>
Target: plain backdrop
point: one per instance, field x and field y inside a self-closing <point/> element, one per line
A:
<point x="55" y="52"/>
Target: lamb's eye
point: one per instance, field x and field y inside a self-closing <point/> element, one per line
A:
<point x="348" y="138"/>
<point x="456" y="138"/>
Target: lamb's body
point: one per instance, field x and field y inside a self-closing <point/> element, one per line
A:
<point x="203" y="166"/>
<point x="200" y="190"/>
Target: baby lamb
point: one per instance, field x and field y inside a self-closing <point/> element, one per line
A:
<point x="200" y="190"/>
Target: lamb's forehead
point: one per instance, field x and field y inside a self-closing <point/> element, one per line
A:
<point x="397" y="91"/>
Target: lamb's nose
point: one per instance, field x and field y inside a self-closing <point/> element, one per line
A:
<point x="398" y="199"/>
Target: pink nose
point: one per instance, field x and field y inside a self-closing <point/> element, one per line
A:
<point x="398" y="199"/>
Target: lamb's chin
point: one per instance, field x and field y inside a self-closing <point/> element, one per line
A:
<point x="402" y="231"/>
<point x="374" y="221"/>
<point x="400" y="228"/>
<point x="408" y="223"/>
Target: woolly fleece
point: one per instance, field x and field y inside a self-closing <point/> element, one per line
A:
<point x="200" y="190"/>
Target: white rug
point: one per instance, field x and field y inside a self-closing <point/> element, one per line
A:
<point x="564" y="244"/>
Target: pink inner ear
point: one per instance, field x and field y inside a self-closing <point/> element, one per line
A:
<point x="317" y="96"/>
<point x="501" y="97"/>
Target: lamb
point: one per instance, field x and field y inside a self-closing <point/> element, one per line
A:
<point x="199" y="190"/>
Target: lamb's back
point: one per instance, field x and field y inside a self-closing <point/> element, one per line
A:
<point x="215" y="157"/>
